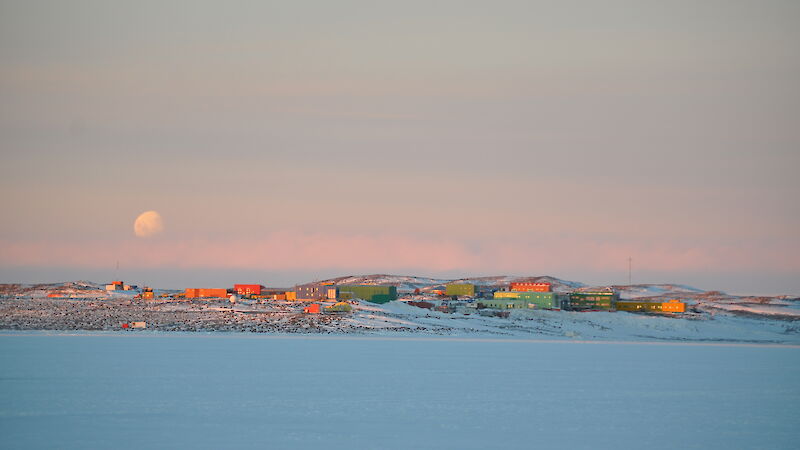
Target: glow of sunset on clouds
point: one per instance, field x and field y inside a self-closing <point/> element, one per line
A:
<point x="464" y="138"/>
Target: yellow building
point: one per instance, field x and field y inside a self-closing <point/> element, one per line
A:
<point x="505" y="294"/>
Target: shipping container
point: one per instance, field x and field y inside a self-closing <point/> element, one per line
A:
<point x="530" y="287"/>
<point x="291" y="295"/>
<point x="460" y="289"/>
<point x="312" y="309"/>
<point x="370" y="293"/>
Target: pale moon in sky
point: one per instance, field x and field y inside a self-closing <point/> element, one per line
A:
<point x="148" y="223"/>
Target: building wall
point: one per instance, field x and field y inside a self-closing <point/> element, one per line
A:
<point x="538" y="300"/>
<point x="506" y="294"/>
<point x="504" y="303"/>
<point x="631" y="306"/>
<point x="543" y="300"/>
<point x="673" y="306"/>
<point x="460" y="289"/>
<point x="592" y="300"/>
<point x="312" y="292"/>
<point x="374" y="294"/>
<point x="205" y="293"/>
<point x="530" y="287"/>
<point x="247" y="289"/>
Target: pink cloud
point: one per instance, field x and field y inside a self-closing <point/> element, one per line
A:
<point x="289" y="250"/>
<point x="281" y="250"/>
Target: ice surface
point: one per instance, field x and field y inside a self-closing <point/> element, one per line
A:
<point x="238" y="390"/>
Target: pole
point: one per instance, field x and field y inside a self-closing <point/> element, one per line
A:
<point x="630" y="260"/>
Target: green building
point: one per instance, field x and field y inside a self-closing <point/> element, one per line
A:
<point x="531" y="300"/>
<point x="542" y="300"/>
<point x="460" y="289"/>
<point x="370" y="293"/>
<point x="605" y="300"/>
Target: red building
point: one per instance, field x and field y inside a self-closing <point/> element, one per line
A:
<point x="248" y="289"/>
<point x="530" y="287"/>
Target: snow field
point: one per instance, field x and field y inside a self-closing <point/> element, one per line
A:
<point x="232" y="390"/>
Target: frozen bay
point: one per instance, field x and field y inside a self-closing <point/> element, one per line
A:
<point x="239" y="390"/>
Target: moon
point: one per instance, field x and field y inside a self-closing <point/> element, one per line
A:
<point x="148" y="224"/>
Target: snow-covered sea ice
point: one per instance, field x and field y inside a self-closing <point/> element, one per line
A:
<point x="239" y="390"/>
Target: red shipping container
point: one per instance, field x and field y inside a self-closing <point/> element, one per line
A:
<point x="311" y="309"/>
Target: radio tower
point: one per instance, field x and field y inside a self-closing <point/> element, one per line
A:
<point x="630" y="260"/>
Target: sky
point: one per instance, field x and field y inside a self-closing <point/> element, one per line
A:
<point x="283" y="142"/>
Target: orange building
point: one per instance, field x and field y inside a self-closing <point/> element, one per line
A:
<point x="115" y="286"/>
<point x="530" y="287"/>
<point x="205" y="293"/>
<point x="673" y="306"/>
